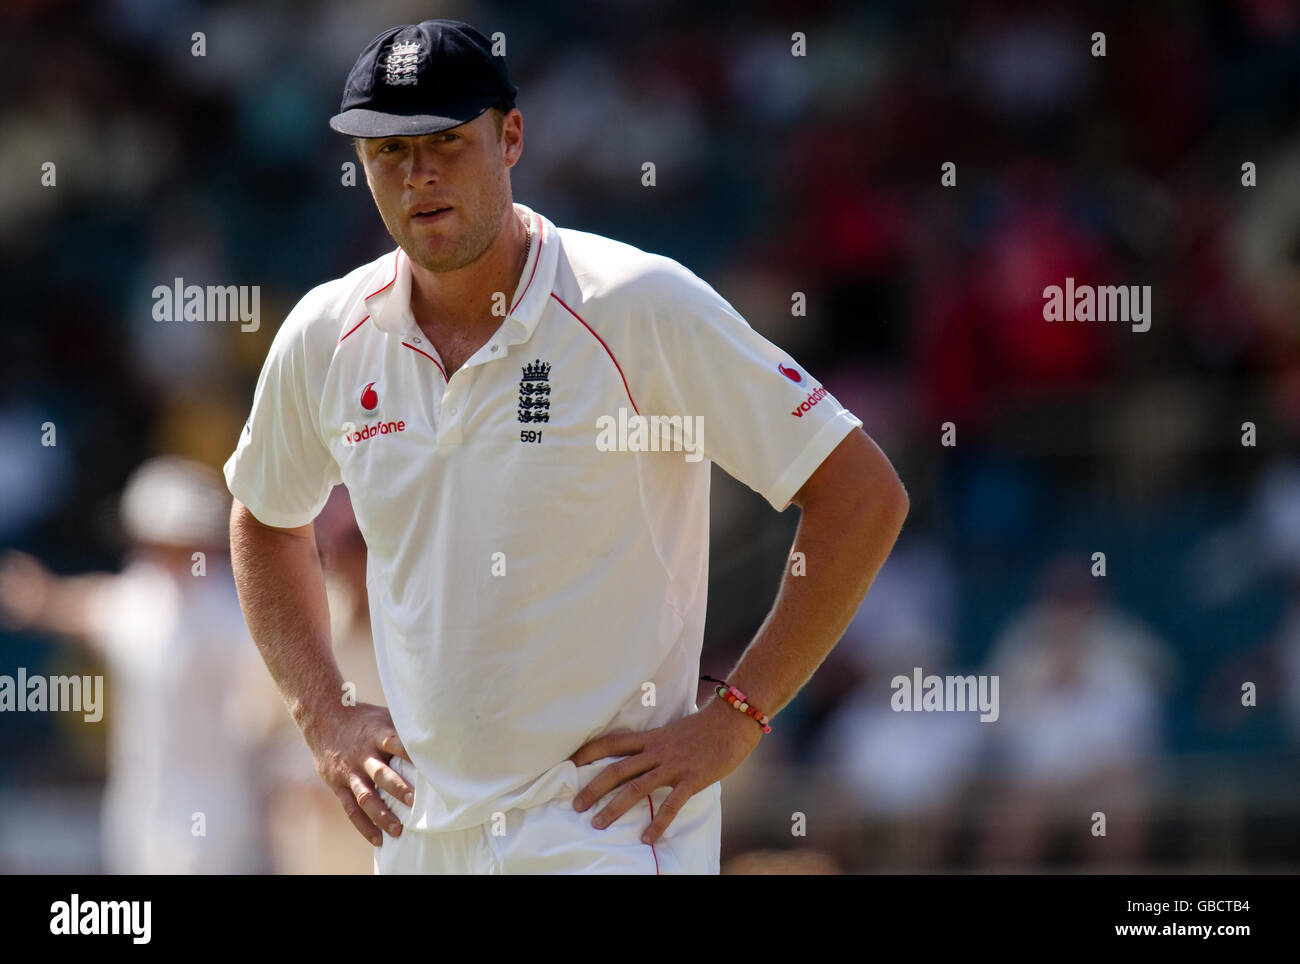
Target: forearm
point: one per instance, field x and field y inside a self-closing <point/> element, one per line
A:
<point x="65" y="605"/>
<point x="282" y="593"/>
<point x="33" y="597"/>
<point x="843" y="543"/>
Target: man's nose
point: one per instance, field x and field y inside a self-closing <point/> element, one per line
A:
<point x="424" y="166"/>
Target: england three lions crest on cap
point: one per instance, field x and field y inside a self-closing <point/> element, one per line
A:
<point x="401" y="63"/>
<point x="535" y="392"/>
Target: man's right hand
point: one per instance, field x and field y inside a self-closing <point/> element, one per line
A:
<point x="282" y="591"/>
<point x="352" y="746"/>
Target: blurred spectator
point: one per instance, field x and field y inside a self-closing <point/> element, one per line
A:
<point x="182" y="793"/>
<point x="1080" y="723"/>
<point x="905" y="771"/>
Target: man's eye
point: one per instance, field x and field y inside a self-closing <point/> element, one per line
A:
<point x="389" y="147"/>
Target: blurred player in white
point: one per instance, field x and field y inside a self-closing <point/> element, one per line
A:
<point x="182" y="685"/>
<point x="537" y="598"/>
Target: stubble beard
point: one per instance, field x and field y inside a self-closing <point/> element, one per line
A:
<point x="476" y="239"/>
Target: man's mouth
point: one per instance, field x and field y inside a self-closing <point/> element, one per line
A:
<point x="429" y="214"/>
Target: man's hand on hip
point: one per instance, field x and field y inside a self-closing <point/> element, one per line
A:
<point x="688" y="755"/>
<point x="352" y="747"/>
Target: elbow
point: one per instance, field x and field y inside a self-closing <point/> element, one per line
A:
<point x="882" y="502"/>
<point x="888" y="506"/>
<point x="903" y="504"/>
<point x="858" y="487"/>
<point x="901" y="501"/>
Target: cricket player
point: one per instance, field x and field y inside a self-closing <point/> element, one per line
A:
<point x="525" y="417"/>
<point x="183" y="685"/>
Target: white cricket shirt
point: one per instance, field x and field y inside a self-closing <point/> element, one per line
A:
<point x="525" y="581"/>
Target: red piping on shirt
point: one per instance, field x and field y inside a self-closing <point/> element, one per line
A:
<point x="428" y="356"/>
<point x="652" y="816"/>
<point x="607" y="351"/>
<point x="367" y="298"/>
<point x="390" y="284"/>
<point x="354" y="328"/>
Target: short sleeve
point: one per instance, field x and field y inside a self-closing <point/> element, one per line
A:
<point x="282" y="469"/>
<point x="766" y="420"/>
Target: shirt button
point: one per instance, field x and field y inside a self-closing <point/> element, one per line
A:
<point x="416" y="339"/>
<point x="494" y="347"/>
<point x="451" y="411"/>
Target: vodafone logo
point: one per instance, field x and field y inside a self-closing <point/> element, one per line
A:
<point x="354" y="436"/>
<point x="791" y="373"/>
<point x="815" y="396"/>
<point x="369" y="398"/>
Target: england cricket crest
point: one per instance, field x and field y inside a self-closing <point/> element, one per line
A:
<point x="535" y="392"/>
<point x="403" y="58"/>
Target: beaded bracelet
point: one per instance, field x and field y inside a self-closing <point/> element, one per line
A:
<point x="739" y="701"/>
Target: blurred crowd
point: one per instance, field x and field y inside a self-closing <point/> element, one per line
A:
<point x="1171" y="161"/>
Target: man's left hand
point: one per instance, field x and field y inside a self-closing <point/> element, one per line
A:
<point x="688" y="755"/>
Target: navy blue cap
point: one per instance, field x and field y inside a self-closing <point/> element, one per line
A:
<point x="423" y="78"/>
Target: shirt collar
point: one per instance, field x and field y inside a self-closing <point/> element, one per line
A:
<point x="390" y="306"/>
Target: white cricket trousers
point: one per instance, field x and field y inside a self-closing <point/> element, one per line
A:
<point x="553" y="838"/>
